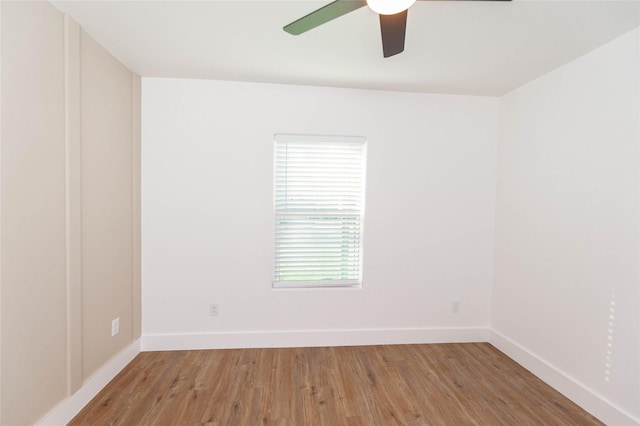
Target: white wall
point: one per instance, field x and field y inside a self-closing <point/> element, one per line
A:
<point x="207" y="215"/>
<point x="567" y="214"/>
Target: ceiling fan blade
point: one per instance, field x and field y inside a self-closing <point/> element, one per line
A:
<point x="392" y="28"/>
<point x="323" y="15"/>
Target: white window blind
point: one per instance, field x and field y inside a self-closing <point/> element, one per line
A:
<point x="319" y="203"/>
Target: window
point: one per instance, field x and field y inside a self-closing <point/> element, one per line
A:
<point x="319" y="206"/>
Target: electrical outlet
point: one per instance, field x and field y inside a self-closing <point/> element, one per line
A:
<point x="213" y="310"/>
<point x="455" y="306"/>
<point x="115" y="327"/>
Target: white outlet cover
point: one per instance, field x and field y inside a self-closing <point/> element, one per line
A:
<point x="115" y="327"/>
<point x="213" y="310"/>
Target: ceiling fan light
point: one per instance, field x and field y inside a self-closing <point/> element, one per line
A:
<point x="389" y="7"/>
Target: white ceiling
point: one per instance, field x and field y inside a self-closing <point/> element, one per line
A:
<point x="458" y="47"/>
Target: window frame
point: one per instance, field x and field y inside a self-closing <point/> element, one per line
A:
<point x="281" y="138"/>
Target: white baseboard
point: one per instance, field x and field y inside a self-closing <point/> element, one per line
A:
<point x="62" y="413"/>
<point x="569" y="387"/>
<point x="284" y="339"/>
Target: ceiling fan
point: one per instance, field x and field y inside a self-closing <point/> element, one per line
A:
<point x="393" y="19"/>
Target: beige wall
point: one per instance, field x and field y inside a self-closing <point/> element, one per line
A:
<point x="32" y="264"/>
<point x="107" y="203"/>
<point x="69" y="209"/>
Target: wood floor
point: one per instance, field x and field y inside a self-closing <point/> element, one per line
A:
<point x="443" y="384"/>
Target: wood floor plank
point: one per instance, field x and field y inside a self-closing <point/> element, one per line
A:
<point x="443" y="384"/>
